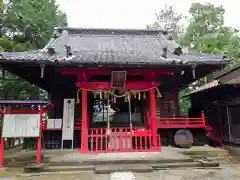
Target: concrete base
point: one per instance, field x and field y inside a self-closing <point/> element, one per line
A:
<point x="115" y="162"/>
<point x="143" y="168"/>
<point x="72" y="160"/>
<point x="167" y="155"/>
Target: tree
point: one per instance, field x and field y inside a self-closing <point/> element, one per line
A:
<point x="33" y="20"/>
<point x="27" y="25"/>
<point x="205" y="19"/>
<point x="206" y="31"/>
<point x="170" y="20"/>
<point x="1" y="6"/>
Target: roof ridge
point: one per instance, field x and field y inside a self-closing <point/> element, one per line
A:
<point x="112" y="29"/>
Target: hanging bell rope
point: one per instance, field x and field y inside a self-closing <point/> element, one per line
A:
<point x="130" y="111"/>
<point x="108" y="121"/>
<point x="78" y="100"/>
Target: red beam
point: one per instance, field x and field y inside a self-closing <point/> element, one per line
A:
<point x="137" y="85"/>
<point x="84" y="74"/>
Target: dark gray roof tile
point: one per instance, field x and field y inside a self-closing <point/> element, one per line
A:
<point x="112" y="46"/>
<point x="25" y="56"/>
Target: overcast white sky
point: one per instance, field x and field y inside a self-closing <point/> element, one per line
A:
<point x="133" y="13"/>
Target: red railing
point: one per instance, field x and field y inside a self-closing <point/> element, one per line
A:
<point x="183" y="122"/>
<point x="121" y="140"/>
<point x="77" y="126"/>
<point x="214" y="135"/>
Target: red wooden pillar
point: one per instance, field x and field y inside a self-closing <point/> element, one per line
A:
<point x="1" y="152"/>
<point x="84" y="135"/>
<point x="203" y="118"/>
<point x="39" y="141"/>
<point x="2" y="142"/>
<point x="153" y="116"/>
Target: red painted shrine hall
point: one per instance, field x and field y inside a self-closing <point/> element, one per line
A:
<point x="114" y="89"/>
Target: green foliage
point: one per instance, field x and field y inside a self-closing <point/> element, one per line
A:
<point x="206" y="19"/>
<point x="1" y="7"/>
<point x="27" y="25"/>
<point x="170" y="20"/>
<point x="33" y="20"/>
<point x="205" y="33"/>
<point x="184" y="102"/>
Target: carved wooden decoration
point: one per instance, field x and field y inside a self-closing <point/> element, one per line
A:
<point x="119" y="79"/>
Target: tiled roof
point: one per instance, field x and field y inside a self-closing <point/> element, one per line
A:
<point x="112" y="46"/>
<point x="204" y="87"/>
<point x="23" y="102"/>
<point x="226" y="71"/>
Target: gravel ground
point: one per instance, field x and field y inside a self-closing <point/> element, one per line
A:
<point x="226" y="173"/>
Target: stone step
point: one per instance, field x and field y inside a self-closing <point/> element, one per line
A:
<point x="67" y="168"/>
<point x="195" y="164"/>
<point x="208" y="163"/>
<point x="123" y="168"/>
<point x="119" y="162"/>
<point x="108" y="168"/>
<point x="206" y="153"/>
<point x="143" y="168"/>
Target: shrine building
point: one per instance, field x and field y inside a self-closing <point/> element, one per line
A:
<point x="114" y="89"/>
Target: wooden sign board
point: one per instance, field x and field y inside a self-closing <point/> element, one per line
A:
<point x="119" y="79"/>
<point x="68" y="119"/>
<point x="21" y="125"/>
